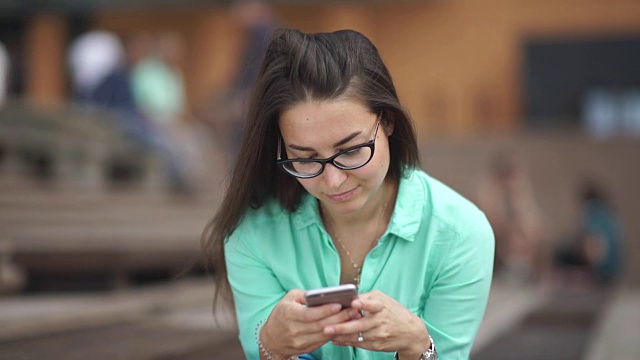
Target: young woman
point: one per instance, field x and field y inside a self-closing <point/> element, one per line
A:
<point x="327" y="190"/>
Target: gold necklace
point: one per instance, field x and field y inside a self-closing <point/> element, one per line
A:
<point x="355" y="265"/>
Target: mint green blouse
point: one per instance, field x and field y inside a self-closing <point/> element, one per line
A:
<point x="436" y="258"/>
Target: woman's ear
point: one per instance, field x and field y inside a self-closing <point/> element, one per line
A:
<point x="388" y="125"/>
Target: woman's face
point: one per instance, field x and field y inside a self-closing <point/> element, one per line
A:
<point x="313" y="128"/>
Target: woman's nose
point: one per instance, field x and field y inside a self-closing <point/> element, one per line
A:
<point x="333" y="176"/>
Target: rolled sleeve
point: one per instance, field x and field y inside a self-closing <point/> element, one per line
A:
<point x="457" y="300"/>
<point x="255" y="288"/>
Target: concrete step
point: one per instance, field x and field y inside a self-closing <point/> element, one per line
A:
<point x="30" y="316"/>
<point x="560" y="329"/>
<point x="133" y="340"/>
<point x="508" y="305"/>
<point x="616" y="333"/>
<point x="172" y="321"/>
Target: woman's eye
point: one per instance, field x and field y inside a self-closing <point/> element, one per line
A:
<point x="303" y="156"/>
<point x="353" y="152"/>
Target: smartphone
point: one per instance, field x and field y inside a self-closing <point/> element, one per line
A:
<point x="341" y="294"/>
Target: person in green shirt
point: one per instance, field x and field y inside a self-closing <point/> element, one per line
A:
<point x="327" y="190"/>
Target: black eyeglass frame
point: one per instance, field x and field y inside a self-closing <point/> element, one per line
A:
<point x="370" y="144"/>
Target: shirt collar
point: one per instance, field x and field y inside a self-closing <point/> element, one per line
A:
<point x="409" y="210"/>
<point x="407" y="214"/>
<point x="307" y="212"/>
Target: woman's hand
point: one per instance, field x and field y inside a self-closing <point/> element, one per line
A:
<point x="386" y="326"/>
<point x="293" y="328"/>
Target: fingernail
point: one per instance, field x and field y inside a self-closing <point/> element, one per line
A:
<point x="329" y="330"/>
<point x="336" y="308"/>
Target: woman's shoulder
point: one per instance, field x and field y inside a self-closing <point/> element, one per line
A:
<point x="273" y="220"/>
<point x="269" y="212"/>
<point x="445" y="204"/>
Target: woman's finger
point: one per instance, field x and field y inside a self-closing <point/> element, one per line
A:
<point x="370" y="305"/>
<point x="313" y="314"/>
<point x="338" y="318"/>
<point x="349" y="327"/>
<point x="304" y="343"/>
<point x="295" y="295"/>
<point x="363" y="340"/>
<point x="355" y="313"/>
<point x="351" y="339"/>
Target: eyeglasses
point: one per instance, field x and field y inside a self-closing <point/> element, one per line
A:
<point x="348" y="159"/>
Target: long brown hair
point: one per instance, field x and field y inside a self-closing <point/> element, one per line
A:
<point x="299" y="67"/>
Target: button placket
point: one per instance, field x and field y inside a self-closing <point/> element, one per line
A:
<point x="371" y="264"/>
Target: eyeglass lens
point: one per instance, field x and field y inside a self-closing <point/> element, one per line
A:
<point x="351" y="159"/>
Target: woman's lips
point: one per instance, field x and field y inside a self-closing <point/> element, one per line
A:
<point x="342" y="196"/>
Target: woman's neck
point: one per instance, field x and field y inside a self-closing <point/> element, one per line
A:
<point x="371" y="212"/>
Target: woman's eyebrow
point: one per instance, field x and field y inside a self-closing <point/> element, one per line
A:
<point x="341" y="142"/>
<point x="347" y="139"/>
<point x="301" y="148"/>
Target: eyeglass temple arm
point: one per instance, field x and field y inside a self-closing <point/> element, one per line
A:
<point x="279" y="154"/>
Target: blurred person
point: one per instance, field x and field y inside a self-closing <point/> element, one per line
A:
<point x="507" y="197"/>
<point x="103" y="84"/>
<point x="114" y="93"/>
<point x="158" y="84"/>
<point x="258" y="21"/>
<point x="327" y="190"/>
<point x="103" y="74"/>
<point x="91" y="57"/>
<point x="159" y="93"/>
<point x="5" y="72"/>
<point x="597" y="248"/>
<point x="99" y="69"/>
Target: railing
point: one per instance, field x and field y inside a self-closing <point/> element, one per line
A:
<point x="69" y="148"/>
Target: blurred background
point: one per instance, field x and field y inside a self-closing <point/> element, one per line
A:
<point x="119" y="121"/>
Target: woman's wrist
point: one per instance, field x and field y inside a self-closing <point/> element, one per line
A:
<point x="417" y="344"/>
<point x="415" y="353"/>
<point x="265" y="345"/>
<point x="428" y="354"/>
